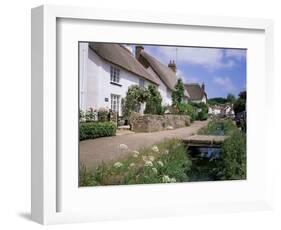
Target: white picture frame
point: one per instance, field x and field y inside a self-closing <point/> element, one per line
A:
<point x="47" y="176"/>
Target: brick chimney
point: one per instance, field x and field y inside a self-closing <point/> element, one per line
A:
<point x="203" y="87"/>
<point x="139" y="48"/>
<point x="173" y="66"/>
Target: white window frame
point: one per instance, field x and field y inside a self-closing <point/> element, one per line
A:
<point x="118" y="101"/>
<point x="114" y="74"/>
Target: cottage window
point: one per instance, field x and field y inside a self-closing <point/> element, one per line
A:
<point x="114" y="74"/>
<point x="141" y="82"/>
<point x="115" y="103"/>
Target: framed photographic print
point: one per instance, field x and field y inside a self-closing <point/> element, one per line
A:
<point x="137" y="114"/>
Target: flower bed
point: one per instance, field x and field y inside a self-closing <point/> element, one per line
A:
<point x="166" y="162"/>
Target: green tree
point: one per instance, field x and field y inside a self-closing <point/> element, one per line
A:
<point x="240" y="103"/>
<point x="232" y="165"/>
<point x="134" y="98"/>
<point x="230" y="98"/>
<point x="216" y="100"/>
<point x="154" y="101"/>
<point x="178" y="93"/>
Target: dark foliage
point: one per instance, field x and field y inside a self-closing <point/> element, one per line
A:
<point x="92" y="130"/>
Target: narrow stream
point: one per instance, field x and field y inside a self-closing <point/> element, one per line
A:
<point x="203" y="159"/>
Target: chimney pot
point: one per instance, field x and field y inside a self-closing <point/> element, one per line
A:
<point x="139" y="48"/>
<point x="203" y="87"/>
<point x="172" y="65"/>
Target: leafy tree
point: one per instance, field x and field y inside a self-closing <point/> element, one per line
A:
<point x="178" y="93"/>
<point x="232" y="165"/>
<point x="216" y="100"/>
<point x="230" y="98"/>
<point x="240" y="104"/>
<point x="134" y="98"/>
<point x="154" y="101"/>
<point x="243" y="95"/>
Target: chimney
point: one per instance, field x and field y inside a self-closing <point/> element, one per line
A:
<point x="203" y="87"/>
<point x="173" y="66"/>
<point x="139" y="48"/>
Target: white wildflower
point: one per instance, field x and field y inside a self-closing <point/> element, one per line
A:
<point x="166" y="179"/>
<point x="132" y="165"/>
<point x="136" y="152"/>
<point x="118" y="164"/>
<point x="151" y="158"/>
<point x="155" y="170"/>
<point x="145" y="158"/>
<point x="123" y="147"/>
<point x="155" y="149"/>
<point x="166" y="152"/>
<point x="148" y="164"/>
<point x="173" y="180"/>
<point x="160" y="163"/>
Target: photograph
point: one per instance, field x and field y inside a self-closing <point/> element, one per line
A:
<point x="156" y="113"/>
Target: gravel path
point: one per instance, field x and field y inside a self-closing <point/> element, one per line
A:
<point x="106" y="149"/>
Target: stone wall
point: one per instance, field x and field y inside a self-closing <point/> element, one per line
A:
<point x="152" y="123"/>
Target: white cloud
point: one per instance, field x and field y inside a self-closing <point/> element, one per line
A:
<point x="237" y="54"/>
<point x="209" y="58"/>
<point x="225" y="83"/>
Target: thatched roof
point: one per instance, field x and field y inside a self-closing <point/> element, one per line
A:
<point x="195" y="91"/>
<point x="120" y="56"/>
<point x="166" y="74"/>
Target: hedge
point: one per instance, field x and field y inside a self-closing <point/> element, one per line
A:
<point x="92" y="130"/>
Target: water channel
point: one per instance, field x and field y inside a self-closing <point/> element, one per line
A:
<point x="204" y="159"/>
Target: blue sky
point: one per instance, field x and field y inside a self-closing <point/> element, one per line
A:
<point x="222" y="70"/>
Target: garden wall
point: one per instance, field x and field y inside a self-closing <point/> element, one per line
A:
<point x="152" y="123"/>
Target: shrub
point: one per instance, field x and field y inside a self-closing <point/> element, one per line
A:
<point x="187" y="109"/>
<point x="103" y="114"/>
<point x="202" y="110"/>
<point x="154" y="101"/>
<point x="135" y="96"/>
<point x="166" y="162"/>
<point x="232" y="165"/>
<point x="92" y="130"/>
<point x="202" y="116"/>
<point x="232" y="162"/>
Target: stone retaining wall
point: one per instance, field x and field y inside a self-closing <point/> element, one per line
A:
<point x="152" y="123"/>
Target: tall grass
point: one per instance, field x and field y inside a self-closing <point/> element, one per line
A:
<point x="226" y="125"/>
<point x="232" y="162"/>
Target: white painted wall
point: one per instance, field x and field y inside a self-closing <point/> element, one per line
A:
<point x="95" y="81"/>
<point x="204" y="100"/>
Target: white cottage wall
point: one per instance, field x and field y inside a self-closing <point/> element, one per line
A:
<point x="96" y="76"/>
